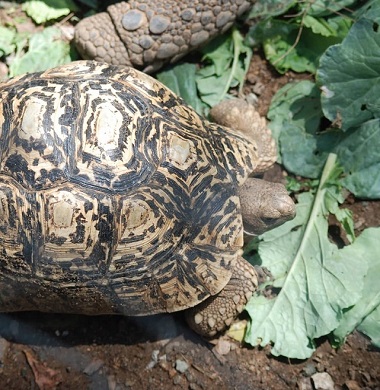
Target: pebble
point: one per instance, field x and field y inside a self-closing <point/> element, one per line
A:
<point x="223" y="347"/>
<point x="94" y="366"/>
<point x="181" y="366"/>
<point x="154" y="359"/>
<point x="352" y="385"/>
<point x="322" y="381"/>
<point x="177" y="380"/>
<point x="4" y="344"/>
<point x="309" y="369"/>
<point x="304" y="384"/>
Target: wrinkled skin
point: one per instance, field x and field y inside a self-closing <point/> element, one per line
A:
<point x="146" y="34"/>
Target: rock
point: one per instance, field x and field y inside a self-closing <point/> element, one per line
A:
<point x="94" y="366"/>
<point x="4" y="344"/>
<point x="351" y="385"/>
<point x="322" y="381"/>
<point x="154" y="360"/>
<point x="181" y="366"/>
<point x="223" y="347"/>
<point x="304" y="384"/>
<point x="309" y="369"/>
<point x="177" y="380"/>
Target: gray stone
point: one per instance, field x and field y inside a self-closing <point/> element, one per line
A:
<point x="133" y="20"/>
<point x="181" y="366"/>
<point x="94" y="366"/>
<point x="4" y="344"/>
<point x="309" y="369"/>
<point x="158" y="24"/>
<point x="322" y="381"/>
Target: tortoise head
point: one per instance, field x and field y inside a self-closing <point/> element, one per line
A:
<point x="264" y="205"/>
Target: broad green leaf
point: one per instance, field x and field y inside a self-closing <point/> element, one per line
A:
<point x="181" y="80"/>
<point x="297" y="103"/>
<point x="334" y="198"/>
<point x="46" y="50"/>
<point x="227" y="61"/>
<point x="359" y="155"/>
<point x="265" y="8"/>
<point x="7" y="36"/>
<point x="219" y="53"/>
<point x="349" y="75"/>
<point x="325" y="7"/>
<point x="371" y="326"/>
<point x="370" y="9"/>
<point x="295" y="115"/>
<point x="368" y="307"/>
<point x="212" y="88"/>
<point x="289" y="45"/>
<point x="316" y="280"/>
<point x="43" y="11"/>
<point x="319" y="26"/>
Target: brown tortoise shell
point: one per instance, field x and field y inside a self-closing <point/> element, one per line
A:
<point x="115" y="196"/>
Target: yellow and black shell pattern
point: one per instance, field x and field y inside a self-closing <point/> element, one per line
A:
<point x="115" y="196"/>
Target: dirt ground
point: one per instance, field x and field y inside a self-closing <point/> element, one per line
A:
<point x="43" y="351"/>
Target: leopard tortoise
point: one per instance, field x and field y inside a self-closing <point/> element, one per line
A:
<point x="147" y="33"/>
<point x="117" y="197"/>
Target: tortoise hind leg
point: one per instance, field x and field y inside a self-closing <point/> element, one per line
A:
<point x="217" y="312"/>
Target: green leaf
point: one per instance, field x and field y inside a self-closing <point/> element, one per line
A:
<point x="295" y="115"/>
<point x="359" y="155"/>
<point x="43" y="11"/>
<point x="289" y="45"/>
<point x="265" y="8"/>
<point x="334" y="198"/>
<point x="7" y="37"/>
<point x="46" y="50"/>
<point x="349" y="76"/>
<point x="228" y="62"/>
<point x="325" y="7"/>
<point x="370" y="9"/>
<point x="181" y="80"/>
<point x="316" y="280"/>
<point x="368" y="307"/>
<point x="319" y="26"/>
<point x="371" y="326"/>
<point x="11" y="40"/>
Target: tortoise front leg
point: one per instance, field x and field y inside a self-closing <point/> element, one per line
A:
<point x="217" y="312"/>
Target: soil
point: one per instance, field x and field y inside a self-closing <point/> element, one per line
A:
<point x="46" y="351"/>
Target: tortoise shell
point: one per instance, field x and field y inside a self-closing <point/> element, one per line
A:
<point x="115" y="196"/>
